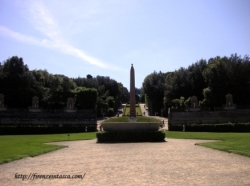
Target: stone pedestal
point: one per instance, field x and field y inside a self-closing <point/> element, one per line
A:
<point x="194" y="107"/>
<point x="70" y="105"/>
<point x="35" y="105"/>
<point x="229" y="103"/>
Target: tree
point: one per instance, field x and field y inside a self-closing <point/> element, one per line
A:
<point x="86" y="98"/>
<point x="89" y="76"/>
<point x="16" y="83"/>
<point x="154" y="86"/>
<point x="228" y="75"/>
<point x="124" y="94"/>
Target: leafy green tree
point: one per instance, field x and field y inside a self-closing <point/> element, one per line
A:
<point x="228" y="75"/>
<point x="196" y="79"/>
<point x="185" y="82"/>
<point x="124" y="94"/>
<point x="111" y="102"/>
<point x="89" y="76"/>
<point x="86" y="98"/>
<point x="42" y="86"/>
<point x="110" y="112"/>
<point x="154" y="86"/>
<point x="218" y="74"/>
<point x="208" y="98"/>
<point x="16" y="83"/>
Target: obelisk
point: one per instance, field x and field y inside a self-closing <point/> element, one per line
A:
<point x="132" y="92"/>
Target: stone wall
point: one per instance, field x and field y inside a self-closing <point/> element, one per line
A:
<point x="47" y="117"/>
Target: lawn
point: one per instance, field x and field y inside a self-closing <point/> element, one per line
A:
<point x="146" y="119"/>
<point x="137" y="110"/>
<point x="238" y="143"/>
<point x="13" y="147"/>
<point x="126" y="119"/>
<point x="117" y="119"/>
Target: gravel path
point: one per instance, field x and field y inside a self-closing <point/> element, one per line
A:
<point x="175" y="162"/>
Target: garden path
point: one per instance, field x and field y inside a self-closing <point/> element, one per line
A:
<point x="175" y="162"/>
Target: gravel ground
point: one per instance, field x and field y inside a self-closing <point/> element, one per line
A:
<point x="175" y="162"/>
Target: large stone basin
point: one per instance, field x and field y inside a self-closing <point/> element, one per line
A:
<point x="129" y="126"/>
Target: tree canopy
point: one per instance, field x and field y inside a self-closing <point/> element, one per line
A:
<point x="19" y="85"/>
<point x="209" y="80"/>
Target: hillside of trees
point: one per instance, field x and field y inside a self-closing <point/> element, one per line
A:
<point x="209" y="80"/>
<point x="19" y="85"/>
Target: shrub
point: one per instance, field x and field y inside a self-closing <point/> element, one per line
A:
<point x="110" y="112"/>
<point x="45" y="129"/>
<point x="130" y="136"/>
<point x="225" y="127"/>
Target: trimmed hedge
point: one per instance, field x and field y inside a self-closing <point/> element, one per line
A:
<point x="130" y="136"/>
<point x="226" y="127"/>
<point x="44" y="129"/>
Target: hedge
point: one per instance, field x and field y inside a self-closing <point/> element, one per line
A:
<point x="225" y="127"/>
<point x="45" y="129"/>
<point x="130" y="136"/>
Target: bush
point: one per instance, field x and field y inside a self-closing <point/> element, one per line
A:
<point x="45" y="129"/>
<point x="130" y="136"/>
<point x="225" y="127"/>
<point x="110" y="112"/>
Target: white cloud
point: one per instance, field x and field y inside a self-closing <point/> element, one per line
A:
<point x="63" y="47"/>
<point x="17" y="36"/>
<point x="42" y="20"/>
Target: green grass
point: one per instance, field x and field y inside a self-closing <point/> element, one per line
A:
<point x="238" y="143"/>
<point x="146" y="119"/>
<point x="126" y="119"/>
<point x="118" y="119"/>
<point x="13" y="147"/>
<point x="137" y="110"/>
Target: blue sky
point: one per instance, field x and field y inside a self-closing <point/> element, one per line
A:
<point x="104" y="37"/>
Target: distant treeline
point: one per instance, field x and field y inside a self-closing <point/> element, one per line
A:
<point x="209" y="80"/>
<point x="19" y="85"/>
